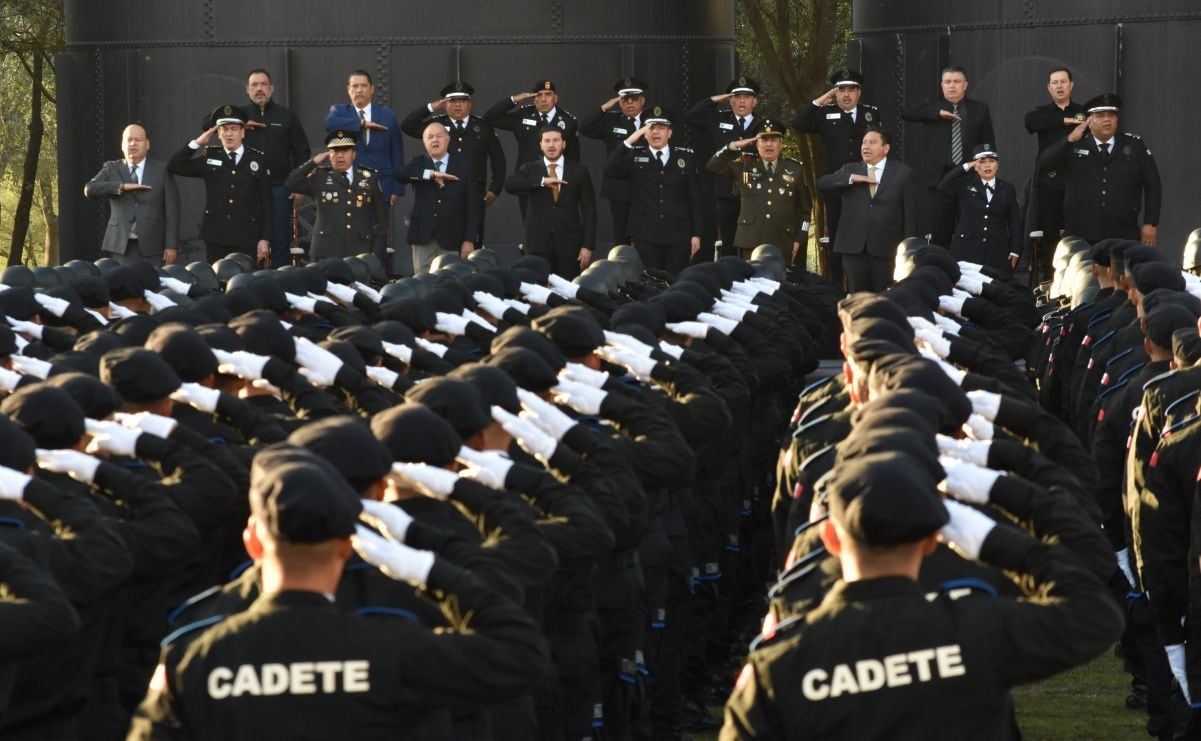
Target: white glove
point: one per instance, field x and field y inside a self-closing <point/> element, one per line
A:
<point x="433" y="482"/>
<point x="935" y="341"/>
<point x="471" y="316"/>
<point x="673" y="350"/>
<point x="769" y="286"/>
<point x="970" y="284"/>
<point x="30" y="366"/>
<point x="967" y="481"/>
<point x="738" y="298"/>
<point x="729" y="311"/>
<point x="985" y="403"/>
<point x="33" y="329"/>
<point x="583" y="399"/>
<point x="174" y="284"/>
<point x="562" y="286"/>
<point x="157" y="301"/>
<point x="978" y="427"/>
<point x="582" y="374"/>
<point x="720" y="323"/>
<point x="397" y="560"/>
<point x="345" y="294"/>
<point x="627" y="341"/>
<point x="527" y="434"/>
<point x="436" y="348"/>
<point x="97" y="316"/>
<point x="301" y="303"/>
<point x="952" y="304"/>
<point x="79" y="466"/>
<point x="534" y="293"/>
<point x="1175" y="654"/>
<point x="155" y="424"/>
<point x="971" y="451"/>
<point x="544" y="414"/>
<point x="317" y="364"/>
<point x="696" y="330"/>
<point x="111" y="438"/>
<point x="120" y="311"/>
<point x="1123" y="557"/>
<point x="9" y="380"/>
<point x="516" y="305"/>
<point x="746" y="288"/>
<point x="969" y="267"/>
<point x="640" y="365"/>
<point x="403" y="353"/>
<point x="197" y="396"/>
<point x="960" y="293"/>
<point x="389" y="519"/>
<point x="13" y="483"/>
<point x="952" y="372"/>
<point x="385" y="377"/>
<point x="489" y="467"/>
<point x="450" y="324"/>
<point x="490" y="303"/>
<point x="921" y="323"/>
<point x="369" y="292"/>
<point x="52" y="304"/>
<point x="966" y="529"/>
<point x="241" y="364"/>
<point x="947" y="324"/>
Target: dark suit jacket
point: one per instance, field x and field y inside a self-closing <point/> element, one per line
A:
<point x="568" y="224"/>
<point x="523" y="120"/>
<point x="156" y="210"/>
<point x="450" y="214"/>
<point x="840" y="136"/>
<point x="478" y="144"/>
<point x="987" y="231"/>
<point x="975" y="125"/>
<point x="665" y="207"/>
<point x="237" y="200"/>
<point x="385" y="153"/>
<point x="877" y="224"/>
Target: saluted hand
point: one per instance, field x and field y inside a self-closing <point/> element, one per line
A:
<point x="864" y="179"/>
<point x="641" y="132"/>
<point x="521" y="97"/>
<point x="827" y="97"/>
<point x="1078" y="133"/>
<point x="721" y="97"/>
<point x="204" y="138"/>
<point x="320" y="157"/>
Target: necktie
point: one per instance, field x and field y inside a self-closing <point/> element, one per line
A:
<point x="233" y="158"/>
<point x="133" y="224"/>
<point x="343" y="179"/>
<point x="363" y="126"/>
<point x="956" y="139"/>
<point x="1108" y="147"/>
<point x="988" y="193"/>
<point x="545" y="120"/>
<point x="133" y="174"/>
<point x="771" y="169"/>
<point x="460" y="127"/>
<point x="554" y="189"/>
<point x="742" y="124"/>
<point x="871" y="173"/>
<point x="659" y="156"/>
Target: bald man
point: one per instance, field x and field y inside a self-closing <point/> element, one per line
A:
<point x="143" y="224"/>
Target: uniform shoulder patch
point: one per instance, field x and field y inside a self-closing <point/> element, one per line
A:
<point x="198" y="626"/>
<point x="256" y="151"/>
<point x="682" y="149"/>
<point x="781" y="628"/>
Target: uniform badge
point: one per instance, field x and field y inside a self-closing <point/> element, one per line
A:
<point x="681" y="163"/>
<point x="476" y="128"/>
<point x="789" y="178"/>
<point x="327" y="196"/>
<point x="781" y="191"/>
<point x="867" y="116"/>
<point x="1126" y="150"/>
<point x="1079" y="116"/>
<point x="742" y="81"/>
<point x="254" y="166"/>
<point x="562" y="125"/>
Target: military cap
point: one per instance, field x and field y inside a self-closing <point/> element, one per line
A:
<point x="1170" y="296"/>
<point x="123" y="283"/>
<point x="184" y="350"/>
<point x="939" y="258"/>
<point x="221" y="337"/>
<point x="846" y="78"/>
<point x="865" y="305"/>
<point x="629" y="86"/>
<point x="336" y="271"/>
<point x="867" y="350"/>
<point x="99" y="341"/>
<point x="486" y="282"/>
<point x="771" y="128"/>
<point x="92" y="292"/>
<point x="93" y="396"/>
<point x="679" y="305"/>
<point x="17" y="448"/>
<point x="48" y="414"/>
<point x="138" y="375"/>
<point x="365" y="340"/>
<point x="347" y="444"/>
<point x="458" y="89"/>
<point x="1137" y="253"/>
<point x="658" y="115"/>
<point x="496" y="386"/>
<point x="541" y="85"/>
<point x="456" y="401"/>
<point x="924" y="375"/>
<point x="262" y="331"/>
<point x="19" y="303"/>
<point x="1101" y="253"/>
<point x="74" y="361"/>
<point x="980" y="151"/>
<point x="17" y="276"/>
<point x="240" y="301"/>
<point x="880" y="329"/>
<point x="1103" y="102"/>
<point x="908" y="408"/>
<point x="536" y="264"/>
<point x="394" y="332"/>
<point x="1186" y="347"/>
<point x="345" y="352"/>
<point x="340" y="139"/>
<point x="412" y="312"/>
<point x="872" y="437"/>
<point x="572" y="329"/>
<point x="883" y="499"/>
<point x="1152" y="275"/>
<point x="227" y="114"/>
<point x="649" y="315"/>
<point x="536" y="342"/>
<point x="413" y="433"/>
<point x="527" y="369"/>
<point x="1165" y="319"/>
<point x="299" y="497"/>
<point x="743" y="85"/>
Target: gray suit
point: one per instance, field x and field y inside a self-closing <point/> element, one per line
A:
<point x="156" y="211"/>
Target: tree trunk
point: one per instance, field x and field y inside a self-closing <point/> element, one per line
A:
<point x="50" y="216"/>
<point x="29" y="172"/>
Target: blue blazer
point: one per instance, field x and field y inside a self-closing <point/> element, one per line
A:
<point x="386" y="152"/>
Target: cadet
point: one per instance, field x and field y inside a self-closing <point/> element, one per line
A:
<point x="616" y="119"/>
<point x="1109" y="176"/>
<point x="292" y="664"/>
<point x="989" y="230"/>
<point x="352" y="214"/>
<point x="237" y="186"/>
<point x="665" y="199"/>
<point x="775" y="202"/>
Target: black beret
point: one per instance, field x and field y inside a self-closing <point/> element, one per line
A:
<point x="134" y="329"/>
<point x="220" y="337"/>
<point x="123" y="283"/>
<point x="530" y="340"/>
<point x="879" y="329"/>
<point x="456" y="401"/>
<point x="395" y="332"/>
<point x="698" y="275"/>
<point x="17" y="448"/>
<point x="527" y="368"/>
<point x="346" y="353"/>
<point x="933" y="277"/>
<point x="1100" y="253"/>
<point x="497" y="387"/>
<point x="510" y="282"/>
<point x="1169" y="296"/>
<point x="414" y="313"/>
<point x="865" y="305"/>
<point x="572" y="329"/>
<point x="939" y="258"/>
<point x="916" y="444"/>
<point x="867" y="350"/>
<point x="182" y="347"/>
<point x="19" y="304"/>
<point x="910" y="409"/>
<point x="1165" y="319"/>
<point x="486" y="282"/>
<point x="313" y="279"/>
<point x="923" y="375"/>
<point x="1137" y="253"/>
<point x="270" y="293"/>
<point x="365" y="340"/>
<point x="262" y="331"/>
<point x="884" y="499"/>
<point x="336" y="271"/>
<point x="1186" y="347"/>
<point x="347" y="443"/>
<point x="47" y="413"/>
<point x="445" y="298"/>
<point x="241" y="301"/>
<point x="299" y="497"/>
<point x="73" y="360"/>
<point x="291" y="282"/>
<point x="94" y="397"/>
<point x="648" y="315"/>
<point x="212" y="309"/>
<point x="138" y="375"/>
<point x="413" y="433"/>
<point x="680" y="305"/>
<point x="534" y="265"/>
<point x="1151" y="275"/>
<point x="92" y="292"/>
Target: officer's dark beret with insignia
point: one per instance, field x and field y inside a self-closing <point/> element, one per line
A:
<point x="298" y="497"/>
<point x="659" y="115"/>
<point x="340" y="139"/>
<point x="743" y="85"/>
<point x="884" y="499"/>
<point x="1152" y="275"/>
<point x="541" y="85"/>
<point x="1104" y="102"/>
<point x="458" y="89"/>
<point x="771" y="128"/>
<point x="228" y="114"/>
<point x="630" y="86"/>
<point x="846" y="78"/>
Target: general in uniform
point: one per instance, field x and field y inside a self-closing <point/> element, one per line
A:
<point x="352" y="213"/>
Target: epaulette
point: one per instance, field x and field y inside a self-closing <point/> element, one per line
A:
<point x="682" y="149"/>
<point x="1126" y="373"/>
<point x="12" y="522"/>
<point x="1190" y="395"/>
<point x="783" y="626"/>
<point x="1101" y="315"/>
<point x="1156" y="379"/>
<point x="369" y="170"/>
<point x="199" y="625"/>
<point x="256" y="151"/>
<point x="192" y="601"/>
<point x="389" y="612"/>
<point x="868" y="105"/>
<point x="954" y="589"/>
<point x="1132" y="136"/>
<point x="1119" y="356"/>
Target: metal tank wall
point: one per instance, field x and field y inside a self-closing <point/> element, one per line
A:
<point x="166" y="64"/>
<point x="1140" y="49"/>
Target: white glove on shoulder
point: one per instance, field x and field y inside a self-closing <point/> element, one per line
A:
<point x="199" y="397"/>
<point x="369" y="292"/>
<point x="13" y="483"/>
<point x="562" y="286"/>
<point x="394" y="559"/>
<point x="403" y="353"/>
<point x="544" y="414"/>
<point x="967" y="481"/>
<point x="985" y="403"/>
<point x="110" y="438"/>
<point x="157" y="301"/>
<point x="79" y="466"/>
<point x="389" y="519"/>
<point x="120" y="311"/>
<point x="720" y="323"/>
<point x="30" y="366"/>
<point x="385" y="377"/>
<point x="301" y="303"/>
<point x="345" y="294"/>
<point x="519" y="306"/>
<point x="978" y="427"/>
<point x="528" y="435"/>
<point x="174" y="284"/>
<point x="966" y="529"/>
<point x="33" y="329"/>
<point x="673" y="350"/>
<point x="628" y="342"/>
<point x="971" y="451"/>
<point x="583" y="375"/>
<point x="155" y="424"/>
<point x="318" y="365"/>
<point x="450" y="324"/>
<point x="241" y="364"/>
<point x="583" y="399"/>
<point x="9" y="380"/>
<point x="53" y="304"/>
<point x="436" y="348"/>
<point x="640" y="366"/>
<point x="696" y="330"/>
<point x="434" y="482"/>
<point x="489" y="467"/>
<point x="489" y="303"/>
<point x="534" y="293"/>
<point x="951" y="304"/>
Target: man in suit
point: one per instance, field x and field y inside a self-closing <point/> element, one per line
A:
<point x="879" y="209"/>
<point x="447" y="201"/>
<point x="665" y="199"/>
<point x="143" y="222"/>
<point x="716" y="126"/>
<point x="237" y="186"/>
<point x="841" y="120"/>
<point x="775" y="203"/>
<point x="617" y="118"/>
<point x="954" y="126"/>
<point x="990" y="227"/>
<point x="470" y="137"/>
<point x="380" y="145"/>
<point x="351" y="211"/>
<point x="560" y="217"/>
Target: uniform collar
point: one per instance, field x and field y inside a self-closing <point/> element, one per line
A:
<point x="291" y="599"/>
<point x="366" y="110"/>
<point x="550" y="115"/>
<point x="547" y="163"/>
<point x="666" y="150"/>
<point x="868" y="589"/>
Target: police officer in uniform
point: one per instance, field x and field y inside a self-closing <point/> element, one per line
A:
<point x="722" y="125"/>
<point x="841" y="120"/>
<point x="237" y="186"/>
<point x="665" y="203"/>
<point x="775" y="201"/>
<point x="1109" y="177"/>
<point x="527" y="113"/>
<point x="616" y="119"/>
<point x="470" y="136"/>
<point x="990" y="226"/>
<point x="352" y="214"/>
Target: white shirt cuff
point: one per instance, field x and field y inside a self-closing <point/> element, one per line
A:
<point x="193" y="145"/>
